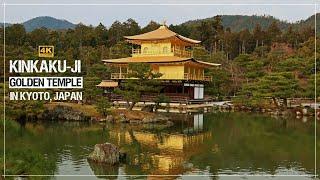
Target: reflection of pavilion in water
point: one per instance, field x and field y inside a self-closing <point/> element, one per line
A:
<point x="169" y="152"/>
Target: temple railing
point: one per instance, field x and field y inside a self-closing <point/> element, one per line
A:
<point x="150" y="97"/>
<point x="187" y="76"/>
<point x="119" y="76"/>
<point x="182" y="53"/>
<point x="172" y="52"/>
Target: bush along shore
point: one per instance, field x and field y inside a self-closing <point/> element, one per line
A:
<point x="78" y="112"/>
<point x="81" y="112"/>
<point x="301" y="110"/>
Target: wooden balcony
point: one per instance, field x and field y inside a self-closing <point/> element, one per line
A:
<point x="150" y="97"/>
<point x="187" y="77"/>
<point x="172" y="52"/>
<point x="119" y="76"/>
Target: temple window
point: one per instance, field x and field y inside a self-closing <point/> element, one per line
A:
<point x="165" y="50"/>
<point x="145" y="50"/>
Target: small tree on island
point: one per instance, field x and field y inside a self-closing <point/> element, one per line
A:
<point x="102" y="106"/>
<point x="142" y="79"/>
<point x="274" y="85"/>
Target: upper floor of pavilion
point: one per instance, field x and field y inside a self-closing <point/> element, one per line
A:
<point x="161" y="42"/>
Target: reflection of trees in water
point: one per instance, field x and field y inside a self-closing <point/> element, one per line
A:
<point x="233" y="141"/>
<point x="256" y="143"/>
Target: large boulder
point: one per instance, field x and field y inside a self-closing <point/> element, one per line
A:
<point x="64" y="113"/>
<point x="105" y="153"/>
<point x="123" y="118"/>
<point x="155" y="119"/>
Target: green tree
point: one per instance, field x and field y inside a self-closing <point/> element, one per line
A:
<point x="220" y="85"/>
<point x="99" y="70"/>
<point x="274" y="32"/>
<point x="116" y="33"/>
<point x="131" y="27"/>
<point x="142" y="79"/>
<point x="101" y="34"/>
<point x="258" y="35"/>
<point x="150" y="27"/>
<point x="91" y="92"/>
<point x="102" y="105"/>
<point x="38" y="37"/>
<point x="274" y="86"/>
<point x="244" y="37"/>
<point x="15" y="35"/>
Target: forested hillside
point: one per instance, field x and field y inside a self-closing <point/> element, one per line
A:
<point x="264" y="62"/>
<point x="240" y="22"/>
<point x="47" y="22"/>
<point x="235" y="22"/>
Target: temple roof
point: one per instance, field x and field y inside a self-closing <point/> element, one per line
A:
<point x="108" y="83"/>
<point x="163" y="32"/>
<point x="157" y="59"/>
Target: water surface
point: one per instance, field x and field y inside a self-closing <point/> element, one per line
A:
<point x="206" y="144"/>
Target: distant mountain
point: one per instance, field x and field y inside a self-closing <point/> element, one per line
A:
<point x="239" y="22"/>
<point x="47" y="22"/>
<point x="235" y="22"/>
<point x="310" y="22"/>
<point x="7" y="24"/>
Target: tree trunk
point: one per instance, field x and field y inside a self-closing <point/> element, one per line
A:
<point x="275" y="102"/>
<point x="243" y="48"/>
<point x="131" y="106"/>
<point x="285" y="103"/>
<point x="128" y="104"/>
<point x="257" y="43"/>
<point x="215" y="46"/>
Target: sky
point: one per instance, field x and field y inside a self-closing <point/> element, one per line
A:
<point x="143" y="11"/>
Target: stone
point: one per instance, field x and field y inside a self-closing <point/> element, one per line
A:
<point x="169" y="123"/>
<point x="156" y="119"/>
<point x="134" y="121"/>
<point x="105" y="153"/>
<point x="147" y="120"/>
<point x="102" y="120"/>
<point x="110" y="118"/>
<point x="304" y="111"/>
<point x="123" y="118"/>
<point x="187" y="165"/>
<point x="64" y="113"/>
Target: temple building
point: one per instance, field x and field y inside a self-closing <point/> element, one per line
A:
<point x="183" y="77"/>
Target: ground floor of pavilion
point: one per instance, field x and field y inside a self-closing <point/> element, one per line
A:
<point x="182" y="92"/>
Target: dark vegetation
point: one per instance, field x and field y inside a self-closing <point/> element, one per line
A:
<point x="251" y="57"/>
<point x="260" y="59"/>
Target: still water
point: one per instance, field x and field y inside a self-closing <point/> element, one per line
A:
<point x="205" y="144"/>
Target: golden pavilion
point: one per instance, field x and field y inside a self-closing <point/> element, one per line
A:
<point x="183" y="77"/>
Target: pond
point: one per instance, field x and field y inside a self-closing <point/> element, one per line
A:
<point x="206" y="144"/>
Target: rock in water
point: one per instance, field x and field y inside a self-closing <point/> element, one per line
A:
<point x="105" y="153"/>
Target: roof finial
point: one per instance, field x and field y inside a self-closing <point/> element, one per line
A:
<point x="163" y="25"/>
<point x="164" y="22"/>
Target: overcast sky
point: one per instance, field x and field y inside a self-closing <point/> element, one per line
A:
<point x="177" y="12"/>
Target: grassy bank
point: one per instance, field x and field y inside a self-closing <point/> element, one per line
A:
<point x="88" y="110"/>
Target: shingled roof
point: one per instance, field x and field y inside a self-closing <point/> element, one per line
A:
<point x="158" y="59"/>
<point x="163" y="32"/>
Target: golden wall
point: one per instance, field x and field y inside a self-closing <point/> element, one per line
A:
<point x="156" y="49"/>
